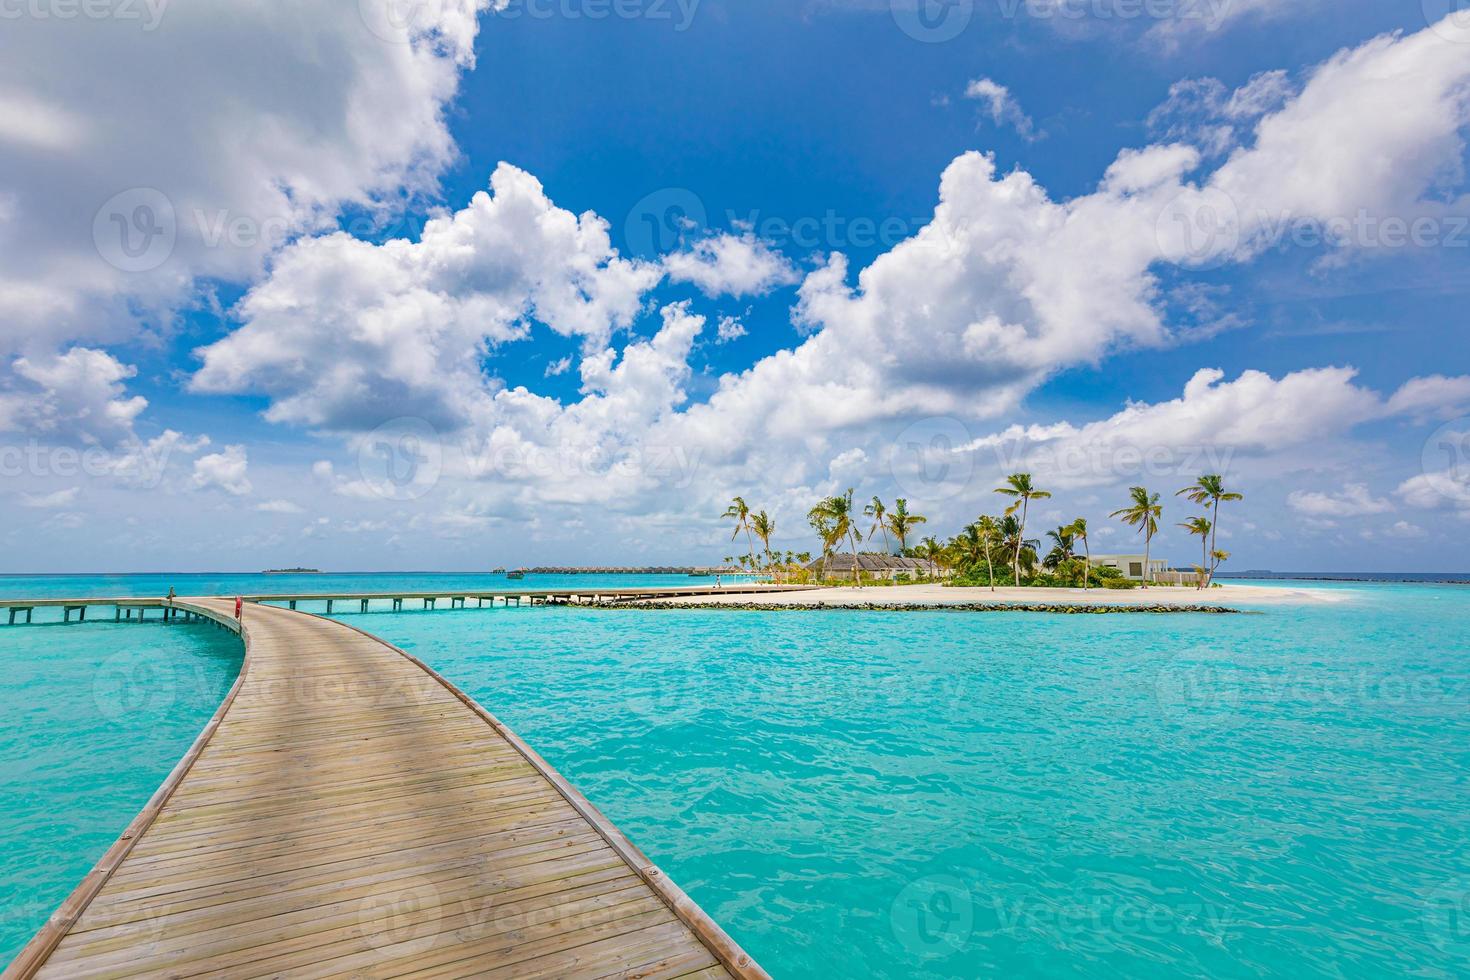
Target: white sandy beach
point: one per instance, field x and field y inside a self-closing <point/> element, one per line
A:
<point x="932" y="594"/>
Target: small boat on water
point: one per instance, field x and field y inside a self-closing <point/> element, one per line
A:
<point x="515" y="574"/>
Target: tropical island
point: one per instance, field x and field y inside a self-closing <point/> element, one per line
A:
<point x="989" y="552"/>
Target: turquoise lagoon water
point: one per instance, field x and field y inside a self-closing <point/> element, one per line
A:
<point x="253" y="583"/>
<point x="959" y="795"/>
<point x="92" y="718"/>
<point x="988" y="795"/>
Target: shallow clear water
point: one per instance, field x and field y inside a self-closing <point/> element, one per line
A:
<point x="968" y="795"/>
<point x="92" y="718"/>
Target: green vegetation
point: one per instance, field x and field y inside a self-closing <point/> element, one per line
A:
<point x="986" y="545"/>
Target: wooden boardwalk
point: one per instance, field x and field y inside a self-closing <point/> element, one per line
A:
<point x="349" y="813"/>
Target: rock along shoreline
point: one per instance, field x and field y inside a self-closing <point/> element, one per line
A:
<point x="1043" y="607"/>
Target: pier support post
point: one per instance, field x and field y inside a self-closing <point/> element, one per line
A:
<point x="429" y="603"/>
<point x="397" y="605"/>
<point x="363" y="608"/>
<point x="292" y="604"/>
<point x="329" y="607"/>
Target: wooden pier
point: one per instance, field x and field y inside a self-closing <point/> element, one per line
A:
<point x="348" y="812"/>
<point x="19" y="611"/>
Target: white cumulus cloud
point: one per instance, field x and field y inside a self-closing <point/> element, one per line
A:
<point x="224" y="470"/>
<point x="1354" y="500"/>
<point x="734" y="265"/>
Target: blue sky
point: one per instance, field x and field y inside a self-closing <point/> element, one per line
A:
<point x="711" y="263"/>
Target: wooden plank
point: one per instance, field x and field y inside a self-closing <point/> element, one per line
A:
<point x="347" y="810"/>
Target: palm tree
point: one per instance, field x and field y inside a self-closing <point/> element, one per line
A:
<point x="1079" y="531"/>
<point x="968" y="546"/>
<point x="739" y="512"/>
<point x="1201" y="526"/>
<point x="1062" y="549"/>
<point x="902" y="523"/>
<point x="764" y="527"/>
<point x="833" y="518"/>
<point x="989" y="533"/>
<point x="820" y="523"/>
<point x="1143" y="513"/>
<point x="1209" y="490"/>
<point x="1008" y="531"/>
<point x="932" y="551"/>
<point x="1216" y="558"/>
<point x="1018" y="485"/>
<point x="878" y="511"/>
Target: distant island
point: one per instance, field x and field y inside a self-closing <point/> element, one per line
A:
<point x="292" y="571"/>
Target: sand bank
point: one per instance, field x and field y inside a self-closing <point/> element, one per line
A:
<point x="1241" y="596"/>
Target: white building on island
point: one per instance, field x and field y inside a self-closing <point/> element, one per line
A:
<point x="1132" y="566"/>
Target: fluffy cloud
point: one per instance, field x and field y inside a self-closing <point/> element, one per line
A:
<point x="729" y="328"/>
<point x="604" y="446"/>
<point x="1192" y="20"/>
<point x="735" y="265"/>
<point x="50" y="501"/>
<point x="1397" y="531"/>
<point x="79" y="394"/>
<point x="1000" y="106"/>
<point x="1438" y="489"/>
<point x="1435" y="396"/>
<point x="1202" y="111"/>
<point x="1214" y="423"/>
<point x="223" y="471"/>
<point x="1376" y="130"/>
<point x="261" y="121"/>
<point x="347" y="334"/>
<point x="1002" y="289"/>
<point x="1355" y="500"/>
